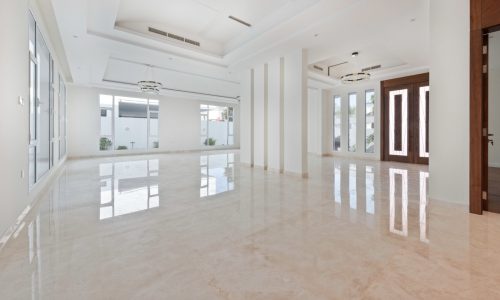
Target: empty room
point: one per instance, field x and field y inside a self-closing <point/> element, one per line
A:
<point x="250" y="149"/>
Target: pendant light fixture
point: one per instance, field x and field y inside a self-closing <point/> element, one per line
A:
<point x="149" y="85"/>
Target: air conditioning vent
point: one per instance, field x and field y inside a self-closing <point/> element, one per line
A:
<point x="371" y="68"/>
<point x="174" y="36"/>
<point x="157" y="31"/>
<point x="192" y="42"/>
<point x="318" y="68"/>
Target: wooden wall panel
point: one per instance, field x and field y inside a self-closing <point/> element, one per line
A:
<point x="484" y="17"/>
<point x="490" y="10"/>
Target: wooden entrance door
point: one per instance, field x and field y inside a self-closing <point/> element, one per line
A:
<point x="405" y="114"/>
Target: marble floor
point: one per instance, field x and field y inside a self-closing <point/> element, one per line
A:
<point x="200" y="226"/>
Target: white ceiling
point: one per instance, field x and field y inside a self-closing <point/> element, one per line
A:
<point x="201" y="19"/>
<point x="103" y="38"/>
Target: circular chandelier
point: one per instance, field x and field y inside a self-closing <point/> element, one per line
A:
<point x="149" y="85"/>
<point x="355" y="77"/>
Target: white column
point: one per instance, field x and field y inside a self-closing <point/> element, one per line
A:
<point x="295" y="112"/>
<point x="314" y="121"/>
<point x="449" y="101"/>
<point x="246" y="118"/>
<point x="275" y="114"/>
<point x="259" y="117"/>
<point x="327" y="122"/>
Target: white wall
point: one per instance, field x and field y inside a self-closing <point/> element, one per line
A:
<point x="275" y="114"/>
<point x="259" y="123"/>
<point x="274" y="98"/>
<point x="179" y="126"/>
<point x="343" y="91"/>
<point x="14" y="118"/>
<point x="295" y="112"/>
<point x="246" y="120"/>
<point x="449" y="105"/>
<point x="494" y="113"/>
<point x="315" y="121"/>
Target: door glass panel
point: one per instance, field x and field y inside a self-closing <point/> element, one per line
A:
<point x="337" y="123"/>
<point x="423" y="121"/>
<point x="352" y="122"/>
<point x="398" y="122"/>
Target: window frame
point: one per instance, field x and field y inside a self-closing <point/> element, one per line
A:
<point x="230" y="120"/>
<point x="114" y="113"/>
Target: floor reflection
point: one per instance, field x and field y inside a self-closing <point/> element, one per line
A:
<point x="398" y="185"/>
<point x="424" y="180"/>
<point x="353" y="189"/>
<point x="217" y="174"/>
<point x="35" y="261"/>
<point x="370" y="190"/>
<point x="128" y="187"/>
<point x="355" y="183"/>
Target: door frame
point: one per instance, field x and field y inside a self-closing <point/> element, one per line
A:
<point x="484" y="18"/>
<point x="413" y="80"/>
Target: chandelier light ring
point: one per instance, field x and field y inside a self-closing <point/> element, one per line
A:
<point x="149" y="85"/>
<point x="355" y="77"/>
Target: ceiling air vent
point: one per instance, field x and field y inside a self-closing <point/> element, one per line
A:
<point x="157" y="31"/>
<point x="192" y="42"/>
<point x="371" y="68"/>
<point x="318" y="68"/>
<point x="173" y="36"/>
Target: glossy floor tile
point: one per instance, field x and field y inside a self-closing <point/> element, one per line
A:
<point x="200" y="226"/>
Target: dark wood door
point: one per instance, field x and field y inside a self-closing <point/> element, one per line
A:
<point x="405" y="114"/>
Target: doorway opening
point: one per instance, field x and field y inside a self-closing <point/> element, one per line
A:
<point x="492" y="50"/>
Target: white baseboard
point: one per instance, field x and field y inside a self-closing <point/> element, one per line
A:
<point x="494" y="165"/>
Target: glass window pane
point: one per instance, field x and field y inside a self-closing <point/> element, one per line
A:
<point x="203" y="123"/>
<point x="217" y="125"/>
<point x="154" y="113"/>
<point x="370" y="121"/>
<point x="106" y="113"/>
<point x="62" y="118"/>
<point x="131" y="123"/>
<point x="337" y="122"/>
<point x="352" y="122"/>
<point x="33" y="104"/>
<point x="42" y="107"/>
<point x="32" y="35"/>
